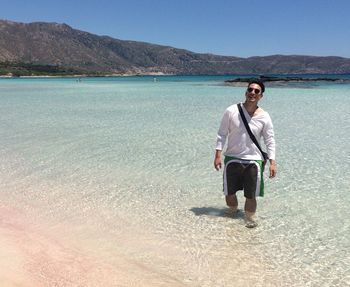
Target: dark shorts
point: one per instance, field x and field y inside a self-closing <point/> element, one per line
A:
<point x="244" y="175"/>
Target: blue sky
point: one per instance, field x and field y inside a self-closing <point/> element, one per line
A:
<point x="237" y="28"/>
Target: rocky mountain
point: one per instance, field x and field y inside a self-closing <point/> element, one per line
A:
<point x="57" y="48"/>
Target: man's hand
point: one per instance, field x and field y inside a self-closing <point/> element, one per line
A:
<point x="217" y="160"/>
<point x="273" y="169"/>
<point x="217" y="163"/>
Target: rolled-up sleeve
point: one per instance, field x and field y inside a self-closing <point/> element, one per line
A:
<point x="223" y="131"/>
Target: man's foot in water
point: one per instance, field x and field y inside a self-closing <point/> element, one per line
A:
<point x="250" y="223"/>
<point x="250" y="220"/>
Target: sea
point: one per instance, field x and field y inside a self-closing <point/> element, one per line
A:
<point x="123" y="167"/>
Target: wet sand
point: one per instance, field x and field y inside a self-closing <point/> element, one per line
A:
<point x="30" y="257"/>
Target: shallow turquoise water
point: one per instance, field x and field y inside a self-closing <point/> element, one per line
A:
<point x="142" y="151"/>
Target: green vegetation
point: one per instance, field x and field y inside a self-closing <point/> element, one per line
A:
<point x="28" y="69"/>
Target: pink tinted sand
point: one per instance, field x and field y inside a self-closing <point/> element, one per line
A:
<point x="31" y="257"/>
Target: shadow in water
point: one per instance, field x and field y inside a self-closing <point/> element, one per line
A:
<point x="214" y="211"/>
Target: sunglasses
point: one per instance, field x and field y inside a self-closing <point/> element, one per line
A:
<point x="256" y="91"/>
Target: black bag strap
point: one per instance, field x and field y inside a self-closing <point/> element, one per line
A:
<point x="253" y="138"/>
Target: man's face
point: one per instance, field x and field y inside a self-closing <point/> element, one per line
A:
<point x="253" y="93"/>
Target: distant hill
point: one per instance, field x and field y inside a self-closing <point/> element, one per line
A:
<point x="51" y="48"/>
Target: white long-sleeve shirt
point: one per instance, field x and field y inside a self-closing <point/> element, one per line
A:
<point x="239" y="143"/>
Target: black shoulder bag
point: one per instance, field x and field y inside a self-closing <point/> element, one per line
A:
<point x="264" y="154"/>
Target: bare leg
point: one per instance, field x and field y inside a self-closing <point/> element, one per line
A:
<point x="250" y="208"/>
<point x="232" y="203"/>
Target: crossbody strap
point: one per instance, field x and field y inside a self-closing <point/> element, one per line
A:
<point x="253" y="138"/>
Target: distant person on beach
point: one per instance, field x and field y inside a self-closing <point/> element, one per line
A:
<point x="244" y="161"/>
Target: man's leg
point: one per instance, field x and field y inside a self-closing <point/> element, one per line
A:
<point x="250" y="208"/>
<point x="250" y="185"/>
<point x="232" y="203"/>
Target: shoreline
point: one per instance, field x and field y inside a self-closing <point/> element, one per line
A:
<point x="272" y="78"/>
<point x="31" y="256"/>
<point x="87" y="76"/>
<point x="44" y="251"/>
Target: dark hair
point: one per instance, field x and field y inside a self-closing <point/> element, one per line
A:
<point x="258" y="82"/>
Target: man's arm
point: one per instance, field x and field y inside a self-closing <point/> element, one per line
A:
<point x="269" y="139"/>
<point x="221" y="139"/>
<point x="223" y="131"/>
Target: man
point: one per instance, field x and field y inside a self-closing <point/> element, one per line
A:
<point x="243" y="168"/>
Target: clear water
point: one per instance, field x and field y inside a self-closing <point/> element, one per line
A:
<point x="129" y="156"/>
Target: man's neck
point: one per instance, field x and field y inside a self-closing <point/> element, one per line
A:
<point x="250" y="107"/>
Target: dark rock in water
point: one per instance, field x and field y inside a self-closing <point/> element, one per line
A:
<point x="285" y="79"/>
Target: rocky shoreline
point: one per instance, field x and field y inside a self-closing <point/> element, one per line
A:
<point x="286" y="79"/>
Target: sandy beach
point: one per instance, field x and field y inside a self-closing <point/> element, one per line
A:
<point x="35" y="254"/>
<point x="29" y="256"/>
